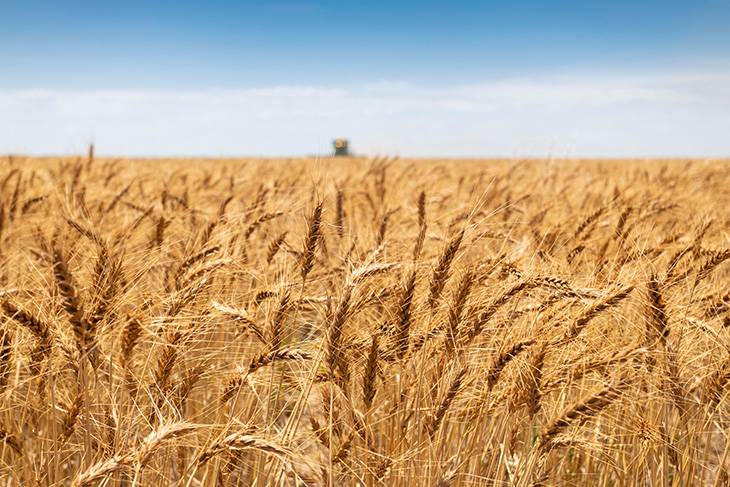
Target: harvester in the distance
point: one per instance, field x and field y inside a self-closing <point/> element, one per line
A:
<point x="341" y="147"/>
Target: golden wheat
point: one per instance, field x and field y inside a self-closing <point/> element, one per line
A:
<point x="364" y="322"/>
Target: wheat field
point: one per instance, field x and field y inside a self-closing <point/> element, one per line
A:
<point x="352" y="321"/>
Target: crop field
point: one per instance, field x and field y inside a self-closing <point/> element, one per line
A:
<point x="352" y="321"/>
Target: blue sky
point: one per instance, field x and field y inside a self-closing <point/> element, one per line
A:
<point x="412" y="78"/>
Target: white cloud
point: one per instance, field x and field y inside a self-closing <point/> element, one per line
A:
<point x="582" y="114"/>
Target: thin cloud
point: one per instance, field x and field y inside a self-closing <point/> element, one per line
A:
<point x="583" y="114"/>
<point x="291" y="8"/>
